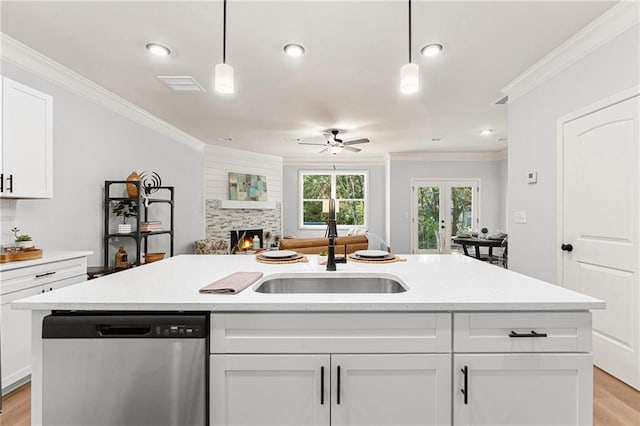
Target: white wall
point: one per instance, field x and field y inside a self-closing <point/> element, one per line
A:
<point x="290" y="205"/>
<point x="219" y="161"/>
<point x="532" y="125"/>
<point x="490" y="173"/>
<point x="92" y="144"/>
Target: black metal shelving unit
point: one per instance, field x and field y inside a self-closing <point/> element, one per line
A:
<point x="139" y="237"/>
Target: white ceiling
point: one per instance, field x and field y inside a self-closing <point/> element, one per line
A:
<point x="348" y="78"/>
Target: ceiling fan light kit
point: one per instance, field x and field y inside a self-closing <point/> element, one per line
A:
<point x="223" y="75"/>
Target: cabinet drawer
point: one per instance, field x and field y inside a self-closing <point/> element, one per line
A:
<point x="46" y="273"/>
<point x="522" y="332"/>
<point x="330" y="332"/>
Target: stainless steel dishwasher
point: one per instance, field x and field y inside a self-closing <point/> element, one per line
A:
<point x="125" y="369"/>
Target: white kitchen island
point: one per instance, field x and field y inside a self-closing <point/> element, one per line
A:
<point x="467" y="343"/>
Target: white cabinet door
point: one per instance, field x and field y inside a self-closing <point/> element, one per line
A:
<point x="16" y="338"/>
<point x="27" y="141"/>
<point x="519" y="389"/>
<point x="391" y="389"/>
<point x="276" y="390"/>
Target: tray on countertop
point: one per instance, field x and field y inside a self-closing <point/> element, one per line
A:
<point x="27" y="254"/>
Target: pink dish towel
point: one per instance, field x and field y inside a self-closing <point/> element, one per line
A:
<point x="233" y="283"/>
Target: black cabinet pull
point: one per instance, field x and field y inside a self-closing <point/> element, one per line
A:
<point x="10" y="185"/>
<point x="465" y="390"/>
<point x="532" y="334"/>
<point x="1" y="182"/>
<point x="45" y="274"/>
<point x="322" y="385"/>
<point x="338" y="387"/>
<point x="567" y="247"/>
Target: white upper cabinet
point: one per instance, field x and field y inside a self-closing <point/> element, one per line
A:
<point x="26" y="158"/>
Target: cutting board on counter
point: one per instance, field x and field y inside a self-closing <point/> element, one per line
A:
<point x="27" y="254"/>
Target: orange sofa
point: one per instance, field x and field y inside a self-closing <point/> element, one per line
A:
<point x="317" y="245"/>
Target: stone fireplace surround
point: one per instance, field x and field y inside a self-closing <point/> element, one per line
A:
<point x="220" y="222"/>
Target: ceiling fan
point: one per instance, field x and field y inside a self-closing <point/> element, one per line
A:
<point x="334" y="145"/>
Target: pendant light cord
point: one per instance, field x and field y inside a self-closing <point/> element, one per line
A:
<point x="409" y="31"/>
<point x="224" y="32"/>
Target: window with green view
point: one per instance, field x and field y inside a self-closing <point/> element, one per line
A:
<point x="347" y="188"/>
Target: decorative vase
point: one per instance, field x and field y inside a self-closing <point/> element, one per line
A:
<point x="132" y="189"/>
<point x="121" y="259"/>
<point x="124" y="228"/>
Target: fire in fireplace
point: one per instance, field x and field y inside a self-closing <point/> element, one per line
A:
<point x="247" y="243"/>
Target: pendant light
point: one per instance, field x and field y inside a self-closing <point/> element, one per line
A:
<point x="223" y="81"/>
<point x="409" y="73"/>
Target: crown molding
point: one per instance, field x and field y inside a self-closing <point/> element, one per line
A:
<point x="449" y="156"/>
<point x="18" y="54"/>
<point x="335" y="159"/>
<point x="618" y="19"/>
<point x="225" y="151"/>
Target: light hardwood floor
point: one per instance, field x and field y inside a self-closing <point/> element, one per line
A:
<point x="614" y="403"/>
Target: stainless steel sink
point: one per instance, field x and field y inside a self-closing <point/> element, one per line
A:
<point x="331" y="285"/>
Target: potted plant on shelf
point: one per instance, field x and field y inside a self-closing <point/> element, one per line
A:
<point x="22" y="241"/>
<point x="125" y="209"/>
<point x="484" y="231"/>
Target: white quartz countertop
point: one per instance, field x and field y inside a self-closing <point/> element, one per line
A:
<point x="434" y="282"/>
<point x="47" y="257"/>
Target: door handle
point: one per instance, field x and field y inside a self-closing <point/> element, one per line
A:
<point x="465" y="389"/>
<point x="338" y="386"/>
<point x="1" y="182"/>
<point x="322" y="385"/>
<point x="567" y="247"/>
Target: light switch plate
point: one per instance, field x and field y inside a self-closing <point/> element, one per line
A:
<point x="532" y="177"/>
<point x="520" y="217"/>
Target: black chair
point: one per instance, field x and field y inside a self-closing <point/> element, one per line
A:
<point x="502" y="257"/>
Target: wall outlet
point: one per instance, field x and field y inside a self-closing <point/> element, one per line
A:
<point x="532" y="177"/>
<point x="520" y="217"/>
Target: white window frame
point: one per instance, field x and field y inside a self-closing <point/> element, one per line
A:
<point x="333" y="174"/>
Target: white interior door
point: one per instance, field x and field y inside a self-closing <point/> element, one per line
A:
<point x="600" y="229"/>
<point x="440" y="208"/>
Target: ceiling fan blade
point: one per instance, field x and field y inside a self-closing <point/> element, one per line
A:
<point x="328" y="137"/>
<point x="352" y="149"/>
<point x="324" y="150"/>
<point x="309" y="143"/>
<point x="356" y="141"/>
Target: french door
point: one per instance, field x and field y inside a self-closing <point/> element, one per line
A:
<point x="441" y="208"/>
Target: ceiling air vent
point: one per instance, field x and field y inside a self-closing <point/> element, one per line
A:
<point x="181" y="83"/>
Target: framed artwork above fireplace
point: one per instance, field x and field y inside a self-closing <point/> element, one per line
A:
<point x="247" y="187"/>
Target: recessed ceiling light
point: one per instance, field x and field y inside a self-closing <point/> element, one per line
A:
<point x="486" y="132"/>
<point x="227" y="140"/>
<point x="431" y="49"/>
<point x="158" y="49"/>
<point x="293" y="49"/>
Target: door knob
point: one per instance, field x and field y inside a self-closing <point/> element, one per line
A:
<point x="567" y="247"/>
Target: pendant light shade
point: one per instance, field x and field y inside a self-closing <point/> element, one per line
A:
<point x="224" y="79"/>
<point x="223" y="75"/>
<point x="409" y="78"/>
<point x="409" y="73"/>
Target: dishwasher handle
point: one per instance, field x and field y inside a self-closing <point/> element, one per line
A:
<point x="123" y="330"/>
